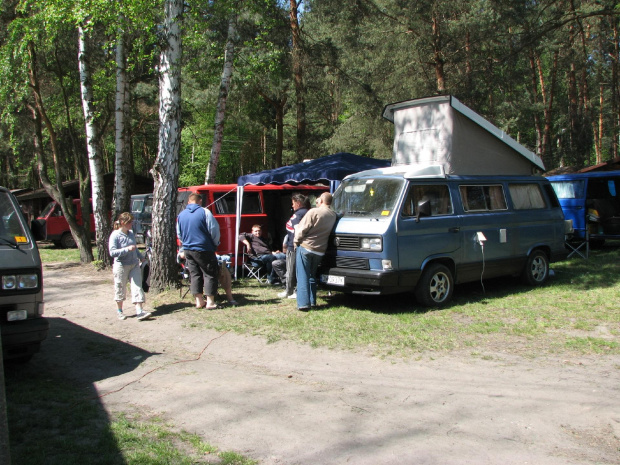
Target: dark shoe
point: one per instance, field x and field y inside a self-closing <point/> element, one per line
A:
<point x="304" y="309"/>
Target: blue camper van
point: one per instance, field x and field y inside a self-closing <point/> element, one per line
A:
<point x="592" y="202"/>
<point x="412" y="228"/>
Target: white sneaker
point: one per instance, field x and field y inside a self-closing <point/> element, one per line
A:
<point x="121" y="316"/>
<point x="143" y="315"/>
<point x="293" y="295"/>
<point x="282" y="294"/>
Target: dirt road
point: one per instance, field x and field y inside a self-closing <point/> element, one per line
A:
<point x="286" y="403"/>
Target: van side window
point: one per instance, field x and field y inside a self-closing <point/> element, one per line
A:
<point x="526" y="196"/>
<point x="225" y="203"/>
<point x="483" y="198"/>
<point x="438" y="195"/>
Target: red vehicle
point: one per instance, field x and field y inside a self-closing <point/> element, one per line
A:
<point x="51" y="225"/>
<point x="269" y="206"/>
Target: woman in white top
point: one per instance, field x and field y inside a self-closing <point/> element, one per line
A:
<point x="126" y="267"/>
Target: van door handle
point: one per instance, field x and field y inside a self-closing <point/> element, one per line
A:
<point x="454" y="230"/>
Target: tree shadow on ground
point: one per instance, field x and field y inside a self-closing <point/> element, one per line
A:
<point x="55" y="415"/>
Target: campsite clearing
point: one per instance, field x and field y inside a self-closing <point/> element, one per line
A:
<point x="522" y="389"/>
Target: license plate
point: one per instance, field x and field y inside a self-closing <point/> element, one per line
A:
<point x="331" y="279"/>
<point x="17" y="315"/>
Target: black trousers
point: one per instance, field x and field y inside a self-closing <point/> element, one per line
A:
<point x="203" y="271"/>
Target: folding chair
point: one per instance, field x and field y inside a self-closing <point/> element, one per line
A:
<point x="253" y="268"/>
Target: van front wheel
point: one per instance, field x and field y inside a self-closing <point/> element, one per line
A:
<point x="536" y="269"/>
<point x="434" y="289"/>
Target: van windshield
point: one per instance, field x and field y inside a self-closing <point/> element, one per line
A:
<point x="11" y="227"/>
<point x="367" y="197"/>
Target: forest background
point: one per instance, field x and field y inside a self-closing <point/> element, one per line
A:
<point x="267" y="83"/>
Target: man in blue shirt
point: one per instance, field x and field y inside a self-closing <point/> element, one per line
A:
<point x="199" y="234"/>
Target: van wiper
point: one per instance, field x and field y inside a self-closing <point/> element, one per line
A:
<point x="15" y="245"/>
<point x="356" y="213"/>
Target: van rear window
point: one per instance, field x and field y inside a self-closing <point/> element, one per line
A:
<point x="526" y="196"/>
<point x="568" y="189"/>
<point x="483" y="198"/>
<point x="225" y="203"/>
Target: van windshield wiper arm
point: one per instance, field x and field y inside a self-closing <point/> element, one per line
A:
<point x="15" y="245"/>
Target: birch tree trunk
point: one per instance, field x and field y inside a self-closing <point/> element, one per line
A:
<point x="102" y="223"/>
<point x="123" y="172"/>
<point x="220" y="115"/>
<point x="165" y="171"/>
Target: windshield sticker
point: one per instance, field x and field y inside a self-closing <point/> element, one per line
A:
<point x="385" y="213"/>
<point x="21" y="239"/>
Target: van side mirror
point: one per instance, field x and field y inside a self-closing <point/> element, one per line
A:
<point x="424" y="209"/>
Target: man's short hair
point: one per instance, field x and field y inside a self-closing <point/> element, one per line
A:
<point x="327" y="198"/>
<point x="195" y="198"/>
<point x="257" y="226"/>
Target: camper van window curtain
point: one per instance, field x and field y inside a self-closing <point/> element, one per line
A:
<point x="526" y="196"/>
<point x="483" y="198"/>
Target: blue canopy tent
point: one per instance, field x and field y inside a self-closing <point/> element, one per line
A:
<point x="330" y="169"/>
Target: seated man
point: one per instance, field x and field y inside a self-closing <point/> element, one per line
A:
<point x="259" y="250"/>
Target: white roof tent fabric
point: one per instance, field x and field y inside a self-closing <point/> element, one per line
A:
<point x="441" y="130"/>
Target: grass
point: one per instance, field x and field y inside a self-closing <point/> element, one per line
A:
<point x="575" y="313"/>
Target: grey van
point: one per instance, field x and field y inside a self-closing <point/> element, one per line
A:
<point x="413" y="228"/>
<point x="21" y="284"/>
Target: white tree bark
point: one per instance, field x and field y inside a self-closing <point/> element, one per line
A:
<point x="123" y="173"/>
<point x="102" y="224"/>
<point x="165" y="171"/>
<point x="220" y="115"/>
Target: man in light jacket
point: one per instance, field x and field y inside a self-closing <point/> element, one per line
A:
<point x="311" y="239"/>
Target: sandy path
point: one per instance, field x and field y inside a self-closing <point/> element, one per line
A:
<point x="286" y="403"/>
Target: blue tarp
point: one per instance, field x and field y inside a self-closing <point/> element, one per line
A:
<point x="330" y="169"/>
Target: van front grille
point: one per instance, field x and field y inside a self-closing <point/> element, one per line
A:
<point x="347" y="242"/>
<point x="352" y="262"/>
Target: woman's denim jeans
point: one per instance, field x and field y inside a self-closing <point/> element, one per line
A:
<point x="306" y="265"/>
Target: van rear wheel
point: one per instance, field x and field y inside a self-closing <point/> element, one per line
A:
<point x="67" y="241"/>
<point x="435" y="287"/>
<point x="536" y="269"/>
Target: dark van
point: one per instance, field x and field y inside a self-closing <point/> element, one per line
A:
<point x="413" y="228"/>
<point x="21" y="284"/>
<point x="142" y="212"/>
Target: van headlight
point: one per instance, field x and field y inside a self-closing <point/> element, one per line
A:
<point x="371" y="243"/>
<point x="20" y="281"/>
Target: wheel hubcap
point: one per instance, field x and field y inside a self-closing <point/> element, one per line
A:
<point x="539" y="270"/>
<point x="439" y="287"/>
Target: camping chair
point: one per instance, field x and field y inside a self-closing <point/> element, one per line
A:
<point x="253" y="268"/>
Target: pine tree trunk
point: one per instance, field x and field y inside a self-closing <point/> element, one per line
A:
<point x="220" y="115"/>
<point x="165" y="171"/>
<point x="298" y="77"/>
<point x="102" y="223"/>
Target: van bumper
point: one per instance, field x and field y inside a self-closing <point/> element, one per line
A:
<point x="22" y="338"/>
<point x="368" y="282"/>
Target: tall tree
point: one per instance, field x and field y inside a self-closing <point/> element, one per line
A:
<point x="220" y="114"/>
<point x="165" y="171"/>
<point x="100" y="210"/>
<point x="298" y="78"/>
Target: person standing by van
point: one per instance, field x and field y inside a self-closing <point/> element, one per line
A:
<point x="126" y="266"/>
<point x="311" y="239"/>
<point x="199" y="234"/>
<point x="300" y="206"/>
